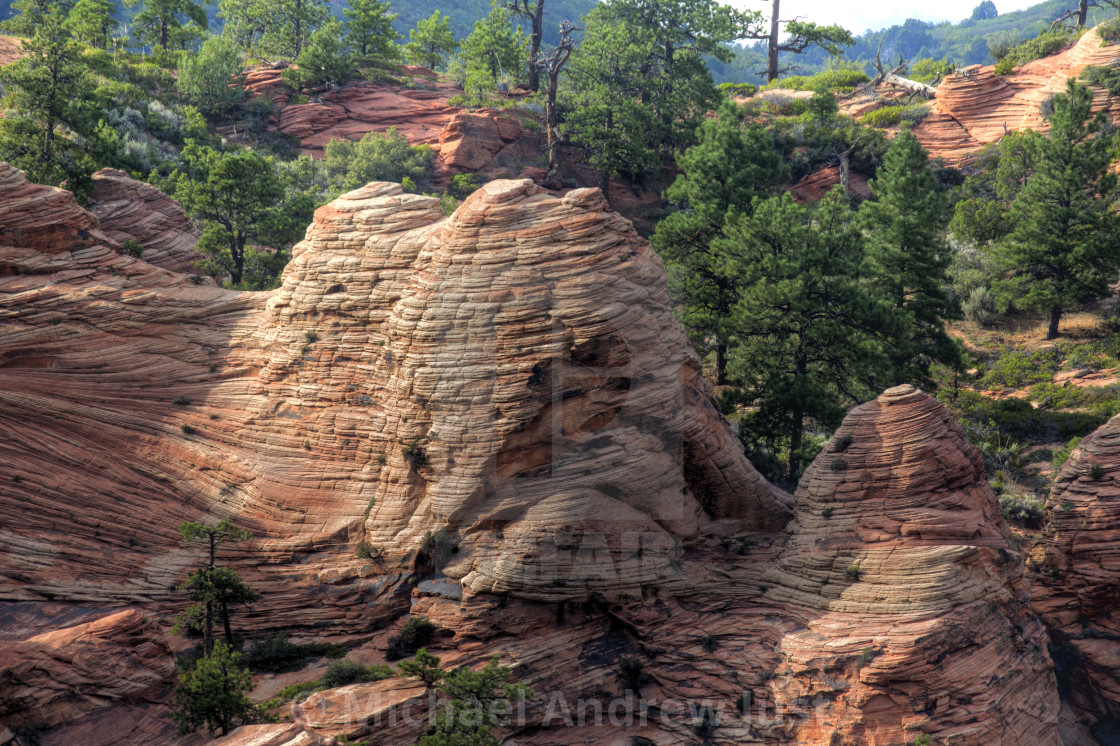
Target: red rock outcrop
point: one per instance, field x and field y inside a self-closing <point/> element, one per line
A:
<point x="132" y="210"/>
<point x="45" y="219"/>
<point x="975" y="107"/>
<point x="813" y="187"/>
<point x="1077" y="569"/>
<point x="913" y="613"/>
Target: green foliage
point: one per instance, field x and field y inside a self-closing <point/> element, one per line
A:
<point x="1059" y="251"/>
<point x="494" y="54"/>
<point x="27" y="15"/>
<point x="424" y="666"/>
<point x="1109" y="31"/>
<point x="840" y="80"/>
<point x="927" y="69"/>
<point x="1062" y="454"/>
<point x="809" y="335"/>
<point x="212" y="694"/>
<point x="984" y="11"/>
<point x="415" y="454"/>
<point x="1096" y="472"/>
<point x="888" y="116"/>
<point x="344" y="672"/>
<point x="731" y="165"/>
<point x="370" y="34"/>
<point x="168" y="24"/>
<point x="430" y="43"/>
<point x="852" y="572"/>
<point x="276" y="654"/>
<point x="416" y="633"/>
<point x="1105" y="77"/>
<point x="980" y="215"/>
<point x="132" y="247"/>
<point x="91" y="22"/>
<point x="980" y="307"/>
<point x="1016" y="369"/>
<point x="297" y="692"/>
<point x="1043" y="45"/>
<point x="49" y="89"/>
<point x="908" y="259"/>
<point x="632" y="672"/>
<point x="290" y="25"/>
<point x="463" y="185"/>
<point x="212" y="79"/>
<point x="323" y="60"/>
<point x="245" y="21"/>
<point x="377" y="157"/>
<point x="744" y="90"/>
<point x="923" y="739"/>
<point x="1023" y="510"/>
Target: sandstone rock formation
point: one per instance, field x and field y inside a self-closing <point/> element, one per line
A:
<point x="1077" y="572"/>
<point x="813" y="187"/>
<point x="975" y="106"/>
<point x="132" y="210"/>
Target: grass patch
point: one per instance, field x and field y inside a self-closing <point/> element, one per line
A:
<point x="889" y="116"/>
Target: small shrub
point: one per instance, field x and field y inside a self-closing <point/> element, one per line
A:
<point x="366" y="550"/>
<point x="922" y="740"/>
<point x="1064" y="452"/>
<point x="1096" y="473"/>
<point x="435" y="549"/>
<point x="415" y="454"/>
<point x="1110" y="31"/>
<point x="889" y="116"/>
<point x="1017" y="369"/>
<point x="416" y="633"/>
<point x="1044" y="45"/>
<point x="408" y="184"/>
<point x="980" y="307"/>
<point x="838" y="464"/>
<point x="710" y="643"/>
<point x="826" y="513"/>
<point x="306" y="444"/>
<point x="1022" y="510"/>
<point x="297" y="692"/>
<point x="182" y="401"/>
<point x="448" y="204"/>
<point x="187" y="429"/>
<point x="344" y="672"/>
<point x="852" y="572"/>
<point x="132" y="247"/>
<point x="463" y="185"/>
<point x="311" y="337"/>
<point x="839" y="80"/>
<point x="632" y="672"/>
<point x="1105" y="77"/>
<point x="1004" y="67"/>
<point x="842" y="443"/>
<point x="744" y="90"/>
<point x="276" y="654"/>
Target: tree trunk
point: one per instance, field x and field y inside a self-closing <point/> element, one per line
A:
<point x="846" y="173"/>
<point x="797" y="424"/>
<point x="1082" y="13"/>
<point x="721" y="363"/>
<point x="163" y="33"/>
<point x="298" y="30"/>
<point x="775" y="28"/>
<point x="553" y="121"/>
<point x="605" y="185"/>
<point x="1055" y="319"/>
<point x="225" y="622"/>
<point x="535" y="46"/>
<point x="237" y="253"/>
<point x="208" y="628"/>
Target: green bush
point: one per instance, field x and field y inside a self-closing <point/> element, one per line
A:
<point x="852" y="572"/>
<point x="1063" y="453"/>
<point x="463" y="185"/>
<point x="1110" y="30"/>
<point x="839" y="80"/>
<point x="417" y="633"/>
<point x="927" y="69"/>
<point x="377" y="157"/>
<point x="892" y="115"/>
<point x="980" y="307"/>
<point x="1043" y="45"/>
<point x="415" y="454"/>
<point x="344" y="672"/>
<point x="1015" y="369"/>
<point x="1023" y="510"/>
<point x="132" y="247"/>
<point x="276" y="654"/>
<point x="632" y="672"/>
<point x="1105" y="77"/>
<point x="745" y="90"/>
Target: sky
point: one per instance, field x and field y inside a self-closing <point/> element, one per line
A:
<point x="861" y="15"/>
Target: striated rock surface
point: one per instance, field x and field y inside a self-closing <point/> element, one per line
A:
<point x="132" y="210"/>
<point x="1077" y="571"/>
<point x="59" y="662"/>
<point x="813" y="187"/>
<point x="912" y="613"/>
<point x="975" y="107"/>
<point x="45" y="219"/>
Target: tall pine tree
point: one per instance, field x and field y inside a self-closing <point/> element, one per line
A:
<point x="1062" y="248"/>
<point x="908" y="257"/>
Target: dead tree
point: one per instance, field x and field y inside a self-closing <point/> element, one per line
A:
<point x="894" y="76"/>
<point x="551" y="65"/>
<point x="1081" y="12"/>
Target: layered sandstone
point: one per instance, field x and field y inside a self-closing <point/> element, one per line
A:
<point x="975" y="107"/>
<point x="132" y="210"/>
<point x="1077" y="570"/>
<point x="913" y="612"/>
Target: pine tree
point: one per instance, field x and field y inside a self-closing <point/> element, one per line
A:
<point x="213" y="589"/>
<point x="496" y="49"/>
<point x="91" y="22"/>
<point x="430" y="42"/>
<point x="324" y="59"/>
<point x="212" y="694"/>
<point x="725" y="171"/>
<point x="1062" y="249"/>
<point x="370" y="33"/>
<point x="290" y="26"/>
<point x="48" y="88"/>
<point x="245" y="21"/>
<point x="212" y="80"/>
<point x="908" y="257"/>
<point x="28" y="14"/>
<point x="168" y="23"/>
<point x="809" y="337"/>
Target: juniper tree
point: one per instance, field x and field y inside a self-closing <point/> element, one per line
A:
<point x="211" y="695"/>
<point x="430" y="42"/>
<point x="213" y="589"/>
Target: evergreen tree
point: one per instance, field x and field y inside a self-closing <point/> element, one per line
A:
<point x="606" y="116"/>
<point x="794" y="36"/>
<point x="430" y="42"/>
<point x="291" y="24"/>
<point x="48" y="89"/>
<point x="91" y="22"/>
<point x="245" y="21"/>
<point x="729" y="167"/>
<point x="235" y="194"/>
<point x="28" y="14"/>
<point x="370" y="33"/>
<point x="981" y="214"/>
<point x="323" y="60"/>
<point x="1062" y="249"/>
<point x="168" y="23"/>
<point x="212" y="79"/>
<point x="495" y="52"/>
<point x="213" y="588"/>
<point x="984" y="11"/>
<point x="212" y="694"/>
<point x="908" y="257"/>
<point x="809" y="336"/>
